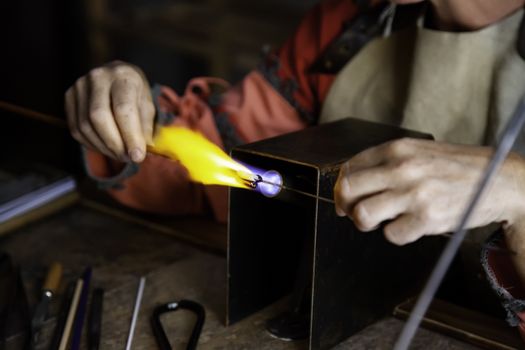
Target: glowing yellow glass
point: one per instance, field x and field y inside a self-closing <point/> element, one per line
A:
<point x="206" y="162"/>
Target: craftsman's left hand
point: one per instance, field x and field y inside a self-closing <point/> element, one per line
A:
<point x="422" y="188"/>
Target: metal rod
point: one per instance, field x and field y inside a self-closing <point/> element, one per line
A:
<point x="136" y="309"/>
<point x="71" y="315"/>
<point x="508" y="138"/>
<point x="311" y="195"/>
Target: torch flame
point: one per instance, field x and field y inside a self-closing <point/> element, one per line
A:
<point x="206" y="162"/>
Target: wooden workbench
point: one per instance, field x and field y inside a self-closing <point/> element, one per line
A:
<point x="121" y="251"/>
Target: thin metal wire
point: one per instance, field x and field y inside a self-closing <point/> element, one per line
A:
<point x="136" y="309"/>
<point x="311" y="195"/>
<point x="508" y="138"/>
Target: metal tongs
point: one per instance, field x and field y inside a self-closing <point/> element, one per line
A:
<point x="158" y="329"/>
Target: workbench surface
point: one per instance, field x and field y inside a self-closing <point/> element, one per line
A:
<point x="120" y="252"/>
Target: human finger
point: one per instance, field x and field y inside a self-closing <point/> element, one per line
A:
<point x="147" y="116"/>
<point x="101" y="116"/>
<point x="89" y="135"/>
<point x="125" y="109"/>
<point x="352" y="186"/>
<point x="369" y="213"/>
<point x="404" y="229"/>
<point x="341" y="191"/>
<point x="380" y="154"/>
<point x="71" y="114"/>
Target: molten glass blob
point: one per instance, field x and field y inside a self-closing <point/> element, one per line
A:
<point x="271" y="183"/>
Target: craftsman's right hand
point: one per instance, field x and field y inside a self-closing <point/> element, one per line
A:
<point x="110" y="110"/>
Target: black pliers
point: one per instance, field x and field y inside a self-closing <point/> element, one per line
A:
<point x="158" y="330"/>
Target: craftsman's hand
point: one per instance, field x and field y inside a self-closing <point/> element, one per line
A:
<point x="422" y="187"/>
<point x="110" y="110"/>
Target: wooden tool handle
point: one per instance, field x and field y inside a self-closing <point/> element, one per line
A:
<point x="54" y="275"/>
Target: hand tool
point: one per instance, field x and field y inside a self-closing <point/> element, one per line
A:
<point x="158" y="330"/>
<point x="49" y="290"/>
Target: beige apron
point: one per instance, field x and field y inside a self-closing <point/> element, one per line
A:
<point x="460" y="87"/>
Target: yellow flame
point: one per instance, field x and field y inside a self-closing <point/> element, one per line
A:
<point x="206" y="162"/>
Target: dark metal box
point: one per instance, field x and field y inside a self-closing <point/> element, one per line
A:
<point x="294" y="243"/>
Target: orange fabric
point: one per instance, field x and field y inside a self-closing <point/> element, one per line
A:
<point x="192" y="112"/>
<point x="255" y="109"/>
<point x="100" y="166"/>
<point x="317" y="30"/>
<point x="161" y="186"/>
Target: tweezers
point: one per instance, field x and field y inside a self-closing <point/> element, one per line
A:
<point x="158" y="330"/>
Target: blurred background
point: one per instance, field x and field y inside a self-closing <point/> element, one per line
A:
<point x="46" y="45"/>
